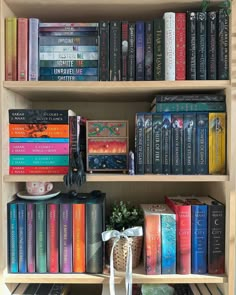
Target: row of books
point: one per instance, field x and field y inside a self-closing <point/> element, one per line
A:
<point x="178" y="46"/>
<point x="185" y="235"/>
<point x="41" y="289"/>
<point x="62" y="234"/>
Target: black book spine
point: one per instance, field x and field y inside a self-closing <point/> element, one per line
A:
<point x="131" y="52"/>
<point x="159" y="50"/>
<point x="149" y="51"/>
<point x="125" y="46"/>
<point x="148" y="143"/>
<point x="177" y="143"/>
<point x="189" y="143"/>
<point x="223" y="45"/>
<point x="191" y="46"/>
<point x="115" y="51"/>
<point x="211" y="45"/>
<point x="157" y="143"/>
<point x="189" y="98"/>
<point x="201" y="45"/>
<point x="166" y="143"/>
<point x="202" y="144"/>
<point x="139" y="143"/>
<point x="104" y="51"/>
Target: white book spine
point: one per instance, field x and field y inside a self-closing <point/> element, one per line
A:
<point x="33" y="49"/>
<point x="68" y="55"/>
<point x="169" y="18"/>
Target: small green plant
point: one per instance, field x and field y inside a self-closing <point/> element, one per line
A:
<point x="205" y="4"/>
<point x="226" y="4"/>
<point x="124" y="215"/>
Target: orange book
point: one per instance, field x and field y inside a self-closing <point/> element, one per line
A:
<point x="22" y="49"/>
<point x="11" y="49"/>
<point x="39" y="130"/>
<point x="78" y="226"/>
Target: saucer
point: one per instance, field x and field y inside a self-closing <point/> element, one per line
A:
<point x="25" y="195"/>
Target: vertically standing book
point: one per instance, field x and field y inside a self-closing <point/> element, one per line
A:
<point x="132" y="51"/>
<point x="157" y="143"/>
<point x="191" y="46"/>
<point x="177" y="135"/>
<point x="124" y="49"/>
<point x="159" y="49"/>
<point x="202" y="143"/>
<point x="31" y="235"/>
<point x="149" y="51"/>
<point x="180" y="46"/>
<point x="104" y="50"/>
<point x="223" y="44"/>
<point x="140" y="33"/>
<point x="212" y="45"/>
<point x="13" y="264"/>
<point x="166" y="143"/>
<point x="201" y="45"/>
<point x="148" y="143"/>
<point x="22" y="244"/>
<point x="139" y="143"/>
<point x="22" y="68"/>
<point x="169" y="18"/>
<point x="33" y="49"/>
<point x="11" y="49"/>
<point x="189" y="151"/>
<point x="115" y="51"/>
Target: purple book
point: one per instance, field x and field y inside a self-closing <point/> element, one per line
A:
<point x="140" y="27"/>
<point x="33" y="49"/>
<point x="65" y="238"/>
<point x="31" y="237"/>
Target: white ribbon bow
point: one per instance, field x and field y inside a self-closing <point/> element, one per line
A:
<point x="130" y="232"/>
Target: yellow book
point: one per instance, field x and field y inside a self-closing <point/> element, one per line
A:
<point x="217" y="143"/>
<point x="11" y="49"/>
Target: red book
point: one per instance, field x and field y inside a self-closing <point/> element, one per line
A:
<point x="20" y="170"/>
<point x="180" y="40"/>
<point x="183" y="235"/>
<point x="22" y="71"/>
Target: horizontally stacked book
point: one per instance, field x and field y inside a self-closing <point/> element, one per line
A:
<point x="183" y="134"/>
<point x="58" y="235"/>
<point x="185" y="235"/>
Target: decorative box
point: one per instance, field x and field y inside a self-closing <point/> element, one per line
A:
<point x="107" y="145"/>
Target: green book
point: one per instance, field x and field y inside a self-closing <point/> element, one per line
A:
<point x="41" y="235"/>
<point x="159" y="49"/>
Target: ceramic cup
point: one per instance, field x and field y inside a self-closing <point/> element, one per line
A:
<point x="38" y="188"/>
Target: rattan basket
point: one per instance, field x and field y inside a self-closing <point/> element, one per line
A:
<point x="121" y="251"/>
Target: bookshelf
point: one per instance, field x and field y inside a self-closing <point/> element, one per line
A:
<point x="126" y="98"/>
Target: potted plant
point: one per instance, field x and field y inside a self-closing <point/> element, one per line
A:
<point x="123" y="216"/>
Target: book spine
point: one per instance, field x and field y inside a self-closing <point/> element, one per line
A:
<point x="20" y="170"/>
<point x="199" y="239"/>
<point x="149" y="51"/>
<point x="180" y="45"/>
<point x="68" y="63"/>
<point x="177" y="143"/>
<point x="191" y="46"/>
<point x="168" y="243"/>
<point x="169" y="18"/>
<point x="211" y="45"/>
<point x="22" y="49"/>
<point x="87" y="40"/>
<point x="166" y="143"/>
<point x="68" y="49"/>
<point x="104" y="50"/>
<point x="69" y="26"/>
<point x="148" y="143"/>
<point x="13" y="264"/>
<point x="22" y="237"/>
<point x="69" y="56"/>
<point x="201" y="45"/>
<point x="159" y="49"/>
<point x="217" y="143"/>
<point x="68" y="33"/>
<point x="33" y="49"/>
<point x="139" y="143"/>
<point x="41" y="230"/>
<point x="78" y="237"/>
<point x="216" y="239"/>
<point x="152" y="242"/>
<point x="47" y="160"/>
<point x="74" y="131"/>
<point x="223" y="45"/>
<point x="189" y="98"/>
<point x="52" y="238"/>
<point x="69" y="71"/>
<point x="11" y="49"/>
<point x="115" y="51"/>
<point x="140" y="26"/>
<point x="189" y="107"/>
<point x="157" y="143"/>
<point x="31" y="237"/>
<point x="38" y="140"/>
<point x="124" y="48"/>
<point x="68" y="78"/>
<point x="132" y="52"/>
<point x="202" y="140"/>
<point x="65" y="238"/>
<point x="189" y="143"/>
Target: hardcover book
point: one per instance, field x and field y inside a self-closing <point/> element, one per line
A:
<point x="104" y="50"/>
<point x="132" y="52"/>
<point x="177" y="134"/>
<point x="140" y="47"/>
<point x="115" y="51"/>
<point x="202" y="142"/>
<point x="189" y="143"/>
<point x="157" y="158"/>
<point x="66" y="41"/>
<point x="13" y="264"/>
<point x="159" y="49"/>
<point x="223" y="45"/>
<point x="33" y="49"/>
<point x="149" y="51"/>
<point x="191" y="46"/>
<point x="188" y="98"/>
<point x="22" y="240"/>
<point x="201" y="45"/>
<point x="31" y="235"/>
<point x="212" y="45"/>
<point x="139" y="143"/>
<point x="148" y="143"/>
<point x="169" y="18"/>
<point x="180" y="45"/>
<point x="22" y="53"/>
<point x="11" y="49"/>
<point x="166" y="143"/>
<point x="124" y="49"/>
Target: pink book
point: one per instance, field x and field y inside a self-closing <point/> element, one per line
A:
<point x="39" y="148"/>
<point x="22" y="71"/>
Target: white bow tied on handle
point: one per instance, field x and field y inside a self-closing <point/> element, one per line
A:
<point x="130" y="232"/>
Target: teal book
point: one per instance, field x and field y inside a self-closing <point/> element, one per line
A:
<point x="189" y="107"/>
<point x="41" y="236"/>
<point x="12" y="237"/>
<point x="47" y="160"/>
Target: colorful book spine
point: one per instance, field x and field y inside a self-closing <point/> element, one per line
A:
<point x="69" y="71"/>
<point x="149" y="51"/>
<point x="69" y="56"/>
<point x="41" y="240"/>
<point x="124" y="49"/>
<point x="223" y="45"/>
<point x="115" y="51"/>
<point x="21" y="170"/>
<point x="22" y="49"/>
<point x="157" y="143"/>
<point x="31" y="231"/>
<point x="177" y="133"/>
<point x="217" y="143"/>
<point x="68" y="49"/>
<point x="159" y="49"/>
<point x="148" y="143"/>
<point x="11" y="49"/>
<point x="202" y="143"/>
<point x="33" y="49"/>
<point x="86" y="40"/>
<point x="140" y="26"/>
<point x="13" y="264"/>
<point x="169" y="18"/>
<point x="52" y="238"/>
<point x="166" y="143"/>
<point x="46" y="160"/>
<point x="78" y="225"/>
<point x="38" y="140"/>
<point x="22" y="242"/>
<point x="180" y="45"/>
<point x="104" y="50"/>
<point x="65" y="238"/>
<point x="139" y="143"/>
<point x="191" y="46"/>
<point x="189" y="107"/>
<point x="68" y="63"/>
<point x="189" y="143"/>
<point x="68" y="78"/>
<point x="201" y="47"/>
<point x="68" y="33"/>
<point x="132" y="52"/>
<point x="212" y="45"/>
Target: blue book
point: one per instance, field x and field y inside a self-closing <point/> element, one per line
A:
<point x="22" y="252"/>
<point x="12" y="238"/>
<point x="39" y="140"/>
<point x="202" y="140"/>
<point x="140" y="58"/>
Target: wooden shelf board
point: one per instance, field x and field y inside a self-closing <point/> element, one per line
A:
<point x="102" y="177"/>
<point x="108" y="91"/>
